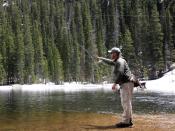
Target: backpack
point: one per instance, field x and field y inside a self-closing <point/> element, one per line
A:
<point x="136" y="82"/>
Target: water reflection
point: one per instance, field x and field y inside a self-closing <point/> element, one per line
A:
<point x="21" y="103"/>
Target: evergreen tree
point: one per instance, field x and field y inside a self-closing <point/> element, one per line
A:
<point x="155" y="39"/>
<point x="2" y="35"/>
<point x="135" y="24"/>
<point x="75" y="56"/>
<point x="65" y="53"/>
<point x="45" y="26"/>
<point x="89" y="46"/>
<point x="2" y="72"/>
<point x="172" y="9"/>
<point x="7" y="47"/>
<point x="128" y="48"/>
<point x="80" y="38"/>
<point x="38" y="51"/>
<point x="56" y="40"/>
<point x="111" y="21"/>
<point x="9" y="61"/>
<point x="101" y="71"/>
<point x="19" y="44"/>
<point x="29" y="52"/>
<point x="62" y="40"/>
<point x="121" y="15"/>
<point x="166" y="21"/>
<point x="28" y="45"/>
<point x="138" y="25"/>
<point x="55" y="64"/>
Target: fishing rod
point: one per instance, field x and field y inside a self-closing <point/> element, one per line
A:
<point x="92" y="56"/>
<point x="136" y="82"/>
<point x="87" y="51"/>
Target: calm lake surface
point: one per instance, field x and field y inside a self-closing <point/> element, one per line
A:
<point x="15" y="103"/>
<point x="57" y="111"/>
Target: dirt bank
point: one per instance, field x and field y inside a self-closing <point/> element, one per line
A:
<point x="88" y="122"/>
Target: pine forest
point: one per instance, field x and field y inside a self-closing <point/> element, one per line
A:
<point x="58" y="40"/>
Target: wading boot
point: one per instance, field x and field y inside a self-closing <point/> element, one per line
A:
<point x="124" y="125"/>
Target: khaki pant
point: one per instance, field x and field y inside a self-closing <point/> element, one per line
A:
<point x="126" y="91"/>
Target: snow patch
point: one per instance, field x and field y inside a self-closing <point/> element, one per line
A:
<point x="165" y="84"/>
<point x="66" y="87"/>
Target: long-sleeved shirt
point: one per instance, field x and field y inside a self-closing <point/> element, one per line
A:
<point x="121" y="71"/>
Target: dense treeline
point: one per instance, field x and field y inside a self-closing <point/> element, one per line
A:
<point x="56" y="40"/>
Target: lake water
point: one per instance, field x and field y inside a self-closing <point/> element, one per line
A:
<point x="14" y="103"/>
<point x="57" y="111"/>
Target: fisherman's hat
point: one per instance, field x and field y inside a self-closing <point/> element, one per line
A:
<point x="114" y="49"/>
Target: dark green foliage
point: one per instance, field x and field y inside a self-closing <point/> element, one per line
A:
<point x="38" y="52"/>
<point x="80" y="39"/>
<point x="88" y="45"/>
<point x="54" y="64"/>
<point x="128" y="48"/>
<point x="17" y="27"/>
<point x="2" y="72"/>
<point x="111" y="21"/>
<point x="56" y="40"/>
<point x="28" y="52"/>
<point x="155" y="40"/>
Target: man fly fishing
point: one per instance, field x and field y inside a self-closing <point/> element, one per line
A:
<point x="122" y="76"/>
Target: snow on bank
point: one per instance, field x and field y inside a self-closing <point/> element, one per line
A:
<point x="66" y="87"/>
<point x="164" y="84"/>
